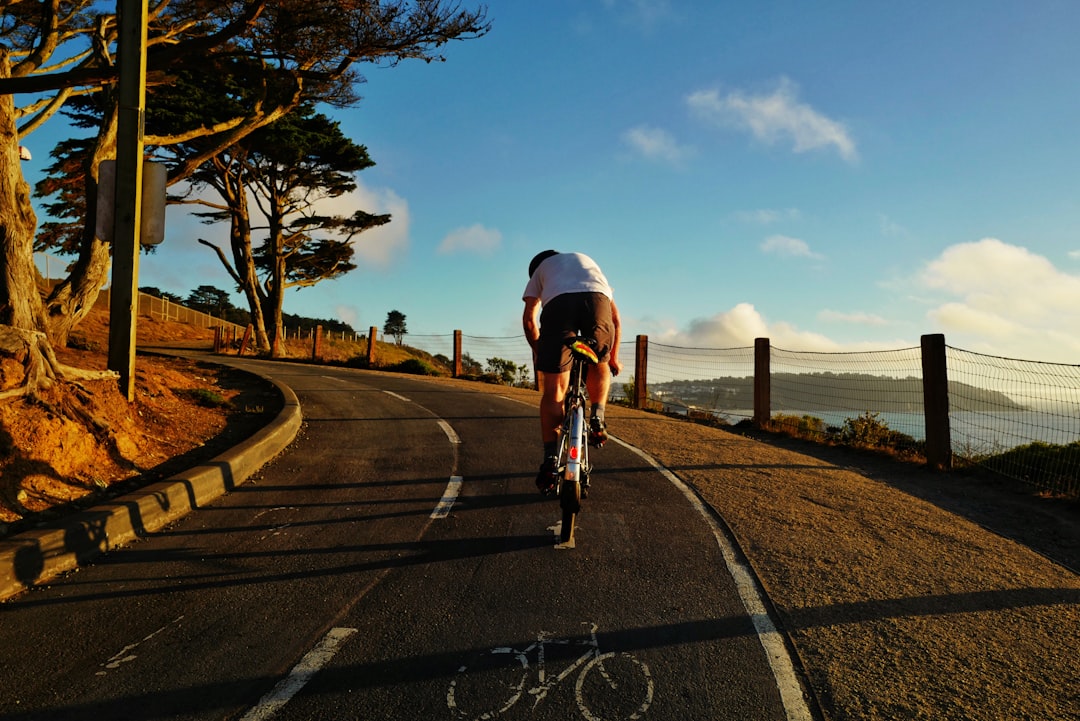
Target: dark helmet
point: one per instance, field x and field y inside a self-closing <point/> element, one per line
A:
<point x="540" y="258"/>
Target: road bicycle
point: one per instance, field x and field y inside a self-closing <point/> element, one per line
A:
<point x="495" y="682"/>
<point x="573" y="465"/>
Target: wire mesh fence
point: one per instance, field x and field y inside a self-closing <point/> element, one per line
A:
<point x="836" y="387"/>
<point x="1018" y="418"/>
<point x="438" y="345"/>
<point x="512" y="349"/>
<point x="702" y="380"/>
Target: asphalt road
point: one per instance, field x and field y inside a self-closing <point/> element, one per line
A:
<point x="329" y="587"/>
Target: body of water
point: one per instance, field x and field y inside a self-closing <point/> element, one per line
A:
<point x="970" y="431"/>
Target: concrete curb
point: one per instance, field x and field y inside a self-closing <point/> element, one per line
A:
<point x="34" y="557"/>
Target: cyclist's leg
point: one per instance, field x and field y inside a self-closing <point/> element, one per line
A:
<point x="552" y="365"/>
<point x="598" y="381"/>
<point x="599" y="325"/>
<point x="551" y="404"/>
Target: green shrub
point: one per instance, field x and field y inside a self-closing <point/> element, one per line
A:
<point x="414" y="366"/>
<point x="868" y="431"/>
<point x="806" y="426"/>
<point x="1045" y="465"/>
<point x="206" y="398"/>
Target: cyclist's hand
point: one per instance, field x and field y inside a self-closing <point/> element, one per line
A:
<point x="615" y="366"/>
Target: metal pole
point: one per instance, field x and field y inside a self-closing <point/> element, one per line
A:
<point x="131" y="91"/>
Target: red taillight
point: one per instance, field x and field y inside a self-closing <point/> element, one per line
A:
<point x="573" y="453"/>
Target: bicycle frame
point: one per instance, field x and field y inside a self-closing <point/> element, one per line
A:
<point x="516" y="682"/>
<point x="573" y="464"/>
<point x="546" y="683"/>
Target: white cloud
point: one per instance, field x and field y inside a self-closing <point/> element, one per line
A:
<point x="774" y="117"/>
<point x="738" y="327"/>
<point x="1074" y="254"/>
<point x="856" y="318"/>
<point x="379" y="246"/>
<point x="1005" y="300"/>
<point x="788" y="247"/>
<point x="474" y="239"/>
<point x="656" y="144"/>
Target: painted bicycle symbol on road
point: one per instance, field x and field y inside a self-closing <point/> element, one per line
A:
<point x="620" y="689"/>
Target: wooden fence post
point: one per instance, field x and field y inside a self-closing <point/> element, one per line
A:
<point x="247" y="339"/>
<point x="371" y="346"/>
<point x="457" y="354"/>
<point x="762" y="383"/>
<point x="641" y="368"/>
<point x="936" y="402"/>
<point x="316" y="344"/>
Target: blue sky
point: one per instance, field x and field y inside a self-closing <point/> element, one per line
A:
<point x="835" y="176"/>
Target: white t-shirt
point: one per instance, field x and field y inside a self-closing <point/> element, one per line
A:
<point x="566" y="273"/>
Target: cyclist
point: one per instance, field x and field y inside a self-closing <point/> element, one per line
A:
<point x="568" y="294"/>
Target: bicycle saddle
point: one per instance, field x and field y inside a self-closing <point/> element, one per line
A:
<point x="583" y="348"/>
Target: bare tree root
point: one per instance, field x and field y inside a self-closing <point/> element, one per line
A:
<point x="42" y="369"/>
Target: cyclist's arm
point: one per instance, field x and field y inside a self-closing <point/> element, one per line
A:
<point x="530" y="320"/>
<point x="613" y="357"/>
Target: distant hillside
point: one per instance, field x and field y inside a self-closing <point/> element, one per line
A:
<point x="828" y="392"/>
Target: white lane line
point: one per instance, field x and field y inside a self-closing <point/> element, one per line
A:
<point x="126" y="655"/>
<point x="302" y="672"/>
<point x="787" y="681"/>
<point x="449" y="432"/>
<point x="449" y="496"/>
<point x="453" y="489"/>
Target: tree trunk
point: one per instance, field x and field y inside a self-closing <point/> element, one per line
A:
<point x="20" y="297"/>
<point x="275" y="282"/>
<point x="242" y="268"/>
<point x="276" y="301"/>
<point x="75" y="296"/>
<point x="244" y="259"/>
<point x="247" y="275"/>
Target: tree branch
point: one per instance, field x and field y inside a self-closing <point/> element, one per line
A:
<point x="223" y="259"/>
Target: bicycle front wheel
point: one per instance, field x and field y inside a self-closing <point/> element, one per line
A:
<point x="488" y="686"/>
<point x="622" y="690"/>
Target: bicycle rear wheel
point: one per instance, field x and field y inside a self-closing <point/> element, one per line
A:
<point x="570" y="501"/>
<point x="570" y="487"/>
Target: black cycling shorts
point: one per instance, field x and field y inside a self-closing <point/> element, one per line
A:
<point x="568" y="315"/>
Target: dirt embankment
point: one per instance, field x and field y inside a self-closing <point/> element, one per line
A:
<point x="79" y="442"/>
